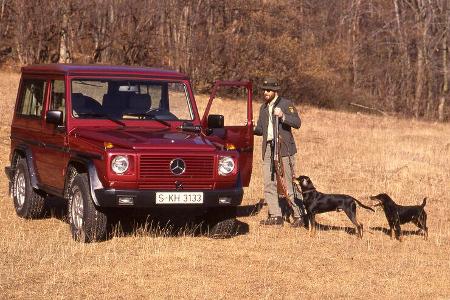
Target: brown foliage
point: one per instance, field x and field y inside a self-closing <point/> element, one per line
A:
<point x="386" y="55"/>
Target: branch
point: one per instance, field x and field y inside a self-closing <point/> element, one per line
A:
<point x="369" y="108"/>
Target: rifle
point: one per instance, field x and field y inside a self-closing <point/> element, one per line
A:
<point x="278" y="167"/>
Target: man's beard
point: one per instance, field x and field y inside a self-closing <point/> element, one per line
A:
<point x="269" y="98"/>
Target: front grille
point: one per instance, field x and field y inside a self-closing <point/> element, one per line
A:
<point x="158" y="167"/>
<point x="172" y="186"/>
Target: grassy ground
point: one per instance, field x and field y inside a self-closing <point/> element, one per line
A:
<point x="355" y="154"/>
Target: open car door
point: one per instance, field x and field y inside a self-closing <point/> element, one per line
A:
<point x="232" y="101"/>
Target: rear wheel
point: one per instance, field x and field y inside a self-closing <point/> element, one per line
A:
<point x="87" y="223"/>
<point x="28" y="202"/>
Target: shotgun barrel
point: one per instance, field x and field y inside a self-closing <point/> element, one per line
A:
<point x="278" y="164"/>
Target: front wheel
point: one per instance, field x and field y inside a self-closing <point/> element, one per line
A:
<point x="221" y="222"/>
<point x="87" y="223"/>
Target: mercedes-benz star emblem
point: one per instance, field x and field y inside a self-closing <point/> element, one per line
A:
<point x="177" y="166"/>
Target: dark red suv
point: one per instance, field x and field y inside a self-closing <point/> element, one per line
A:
<point x="110" y="137"/>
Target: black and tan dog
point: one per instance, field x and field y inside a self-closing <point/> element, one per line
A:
<point x="317" y="202"/>
<point x="398" y="214"/>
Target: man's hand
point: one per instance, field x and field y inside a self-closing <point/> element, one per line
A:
<point x="278" y="112"/>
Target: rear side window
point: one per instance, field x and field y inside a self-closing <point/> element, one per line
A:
<point x="32" y="97"/>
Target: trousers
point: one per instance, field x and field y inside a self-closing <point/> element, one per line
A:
<point x="270" y="186"/>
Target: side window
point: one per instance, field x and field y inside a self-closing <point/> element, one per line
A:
<point x="57" y="97"/>
<point x="32" y="97"/>
<point x="227" y="101"/>
<point x="178" y="98"/>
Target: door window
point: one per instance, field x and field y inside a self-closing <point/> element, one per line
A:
<point x="32" y="97"/>
<point x="57" y="97"/>
<point x="231" y="102"/>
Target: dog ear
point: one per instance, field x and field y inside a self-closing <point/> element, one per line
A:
<point x="306" y="181"/>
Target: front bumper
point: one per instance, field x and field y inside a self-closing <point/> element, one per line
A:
<point x="147" y="198"/>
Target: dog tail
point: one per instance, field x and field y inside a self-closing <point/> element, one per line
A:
<point x="364" y="206"/>
<point x="424" y="202"/>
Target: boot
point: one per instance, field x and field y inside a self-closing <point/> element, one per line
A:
<point x="272" y="221"/>
<point x="297" y="222"/>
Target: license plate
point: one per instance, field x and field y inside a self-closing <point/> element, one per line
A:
<point x="179" y="198"/>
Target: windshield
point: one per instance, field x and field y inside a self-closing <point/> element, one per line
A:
<point x="129" y="99"/>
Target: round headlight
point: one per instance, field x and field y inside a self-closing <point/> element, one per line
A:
<point x="226" y="165"/>
<point x="120" y="164"/>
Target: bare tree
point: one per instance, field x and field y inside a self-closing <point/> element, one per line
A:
<point x="445" y="17"/>
<point x="64" y="52"/>
<point x="354" y="33"/>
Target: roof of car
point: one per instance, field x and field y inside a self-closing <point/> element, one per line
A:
<point x="72" y="69"/>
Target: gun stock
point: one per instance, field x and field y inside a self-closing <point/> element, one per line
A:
<point x="278" y="165"/>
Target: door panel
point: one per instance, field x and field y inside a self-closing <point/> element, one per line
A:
<point x="233" y="99"/>
<point x="27" y="124"/>
<point x="52" y="160"/>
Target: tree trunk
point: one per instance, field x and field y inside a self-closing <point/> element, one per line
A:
<point x="423" y="23"/>
<point x="405" y="85"/>
<point x="420" y="78"/>
<point x="354" y="42"/>
<point x="442" y="98"/>
<point x="2" y="10"/>
<point x="64" y="53"/>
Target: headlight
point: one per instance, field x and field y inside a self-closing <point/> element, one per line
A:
<point x="226" y="165"/>
<point x="120" y="164"/>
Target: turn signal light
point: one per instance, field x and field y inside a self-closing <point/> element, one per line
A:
<point x="108" y="145"/>
<point x="230" y="146"/>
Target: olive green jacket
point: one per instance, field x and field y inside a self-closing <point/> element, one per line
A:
<point x="290" y="120"/>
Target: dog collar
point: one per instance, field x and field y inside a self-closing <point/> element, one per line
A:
<point x="309" y="191"/>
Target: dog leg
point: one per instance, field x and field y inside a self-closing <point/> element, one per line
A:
<point x="351" y="214"/>
<point x="398" y="232"/>
<point x="423" y="228"/>
<point x="423" y="223"/>
<point x="312" y="225"/>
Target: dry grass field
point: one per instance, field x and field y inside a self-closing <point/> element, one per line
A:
<point x="356" y="154"/>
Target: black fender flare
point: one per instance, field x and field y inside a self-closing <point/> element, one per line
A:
<point x="94" y="181"/>
<point x="25" y="151"/>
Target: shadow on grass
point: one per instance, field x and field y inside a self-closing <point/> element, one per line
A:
<point x="171" y="222"/>
<point x="387" y="232"/>
<point x="349" y="230"/>
<point x="55" y="207"/>
<point x="250" y="210"/>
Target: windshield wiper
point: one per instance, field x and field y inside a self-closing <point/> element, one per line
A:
<point x="150" y="116"/>
<point x="99" y="115"/>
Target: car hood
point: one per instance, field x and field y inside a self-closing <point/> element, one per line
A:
<point x="145" y="138"/>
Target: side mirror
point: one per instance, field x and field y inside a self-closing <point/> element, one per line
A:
<point x="54" y="117"/>
<point x="215" y="121"/>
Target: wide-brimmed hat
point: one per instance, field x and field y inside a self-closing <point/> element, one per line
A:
<point x="270" y="84"/>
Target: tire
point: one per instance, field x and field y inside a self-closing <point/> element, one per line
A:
<point x="221" y="222"/>
<point x="70" y="176"/>
<point x="28" y="202"/>
<point x="87" y="223"/>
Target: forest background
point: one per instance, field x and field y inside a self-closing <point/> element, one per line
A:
<point x="386" y="56"/>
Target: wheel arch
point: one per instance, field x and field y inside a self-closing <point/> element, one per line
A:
<point x="24" y="152"/>
<point x="83" y="165"/>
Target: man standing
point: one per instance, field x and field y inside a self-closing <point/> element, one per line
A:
<point x="282" y="108"/>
